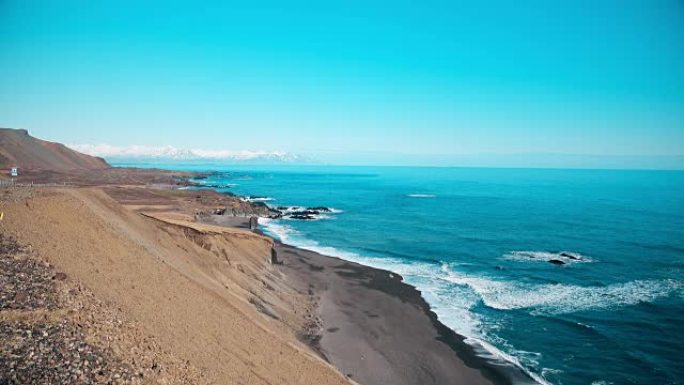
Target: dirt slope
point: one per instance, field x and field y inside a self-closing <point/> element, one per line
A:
<point x="209" y="297"/>
<point x="19" y="149"/>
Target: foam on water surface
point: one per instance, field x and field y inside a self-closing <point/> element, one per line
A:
<point x="560" y="298"/>
<point x="547" y="256"/>
<point x="451" y="306"/>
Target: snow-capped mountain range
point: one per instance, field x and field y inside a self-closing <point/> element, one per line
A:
<point x="137" y="152"/>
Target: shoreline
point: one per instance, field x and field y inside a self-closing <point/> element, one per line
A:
<point x="387" y="285"/>
<point x="373" y="301"/>
<point x="206" y="295"/>
<point x="491" y="363"/>
<point x="357" y="302"/>
<point x="364" y="321"/>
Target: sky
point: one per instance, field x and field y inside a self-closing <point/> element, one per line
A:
<point x="387" y="82"/>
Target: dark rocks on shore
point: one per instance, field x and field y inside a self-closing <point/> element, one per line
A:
<point x="306" y="214"/>
<point x="320" y="209"/>
<point x="302" y="217"/>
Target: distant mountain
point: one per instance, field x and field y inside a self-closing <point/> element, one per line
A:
<point x="169" y="153"/>
<point x="19" y="149"/>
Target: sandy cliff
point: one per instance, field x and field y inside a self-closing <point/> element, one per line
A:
<point x="206" y="295"/>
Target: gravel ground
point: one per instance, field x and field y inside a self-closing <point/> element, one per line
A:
<point x="55" y="332"/>
<point x="54" y="353"/>
<point x="25" y="283"/>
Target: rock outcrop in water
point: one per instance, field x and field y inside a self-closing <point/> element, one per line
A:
<point x="300" y="213"/>
<point x="574" y="257"/>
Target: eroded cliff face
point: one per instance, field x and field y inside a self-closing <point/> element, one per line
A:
<point x="208" y="295"/>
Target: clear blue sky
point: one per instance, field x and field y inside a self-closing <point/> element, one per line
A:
<point x="351" y="79"/>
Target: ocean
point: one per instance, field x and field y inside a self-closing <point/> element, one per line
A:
<point x="576" y="276"/>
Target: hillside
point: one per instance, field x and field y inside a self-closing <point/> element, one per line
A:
<point x="19" y="149"/>
<point x="185" y="297"/>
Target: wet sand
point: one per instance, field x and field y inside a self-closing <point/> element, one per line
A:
<point x="377" y="329"/>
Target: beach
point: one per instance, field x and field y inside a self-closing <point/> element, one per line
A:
<point x="324" y="193"/>
<point x="377" y="329"/>
<point x="351" y="275"/>
<point x="210" y="298"/>
<point x="374" y="327"/>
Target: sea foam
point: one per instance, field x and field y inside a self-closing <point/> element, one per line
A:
<point x="559" y="298"/>
<point x="421" y="196"/>
<point x="257" y="199"/>
<point x="452" y="308"/>
<point x="546" y="256"/>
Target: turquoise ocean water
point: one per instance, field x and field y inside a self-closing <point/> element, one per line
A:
<point x="477" y="243"/>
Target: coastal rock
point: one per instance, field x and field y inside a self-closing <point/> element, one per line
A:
<point x="302" y="217"/>
<point x="556" y="262"/>
<point x="253" y="223"/>
<point x="304" y="212"/>
<point x="569" y="255"/>
<point x="259" y="205"/>
<point x="320" y="209"/>
<point x="298" y="212"/>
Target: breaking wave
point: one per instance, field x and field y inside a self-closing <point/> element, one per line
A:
<point x="559" y="298"/>
<point x="546" y="256"/>
<point x="421" y="196"/>
<point x="452" y="308"/>
<point x="307" y="213"/>
<point x="257" y="199"/>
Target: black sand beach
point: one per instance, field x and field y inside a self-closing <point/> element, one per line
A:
<point x="379" y="330"/>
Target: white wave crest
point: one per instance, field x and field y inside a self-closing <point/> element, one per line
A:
<point x="452" y="309"/>
<point x="559" y="299"/>
<point x="290" y="236"/>
<point x="257" y="199"/>
<point x="546" y="256"/>
<point x="421" y="196"/>
<point x="312" y="217"/>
